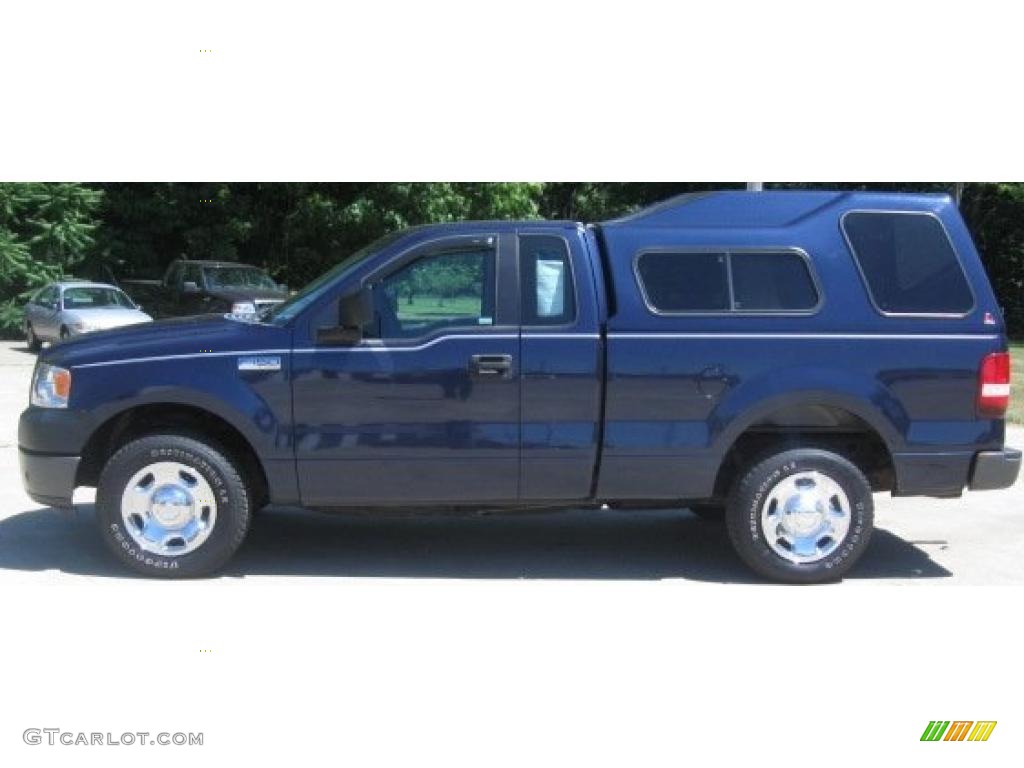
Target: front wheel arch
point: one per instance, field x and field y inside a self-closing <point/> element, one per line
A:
<point x="198" y="423"/>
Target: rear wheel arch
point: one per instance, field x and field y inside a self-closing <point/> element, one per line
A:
<point x="738" y="417"/>
<point x="829" y="421"/>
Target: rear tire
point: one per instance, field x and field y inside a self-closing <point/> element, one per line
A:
<point x="172" y="506"/>
<point x="31" y="340"/>
<point x="801" y="517"/>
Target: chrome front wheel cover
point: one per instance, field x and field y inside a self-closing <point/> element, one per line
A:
<point x="168" y="509"/>
<point x="805" y="517"/>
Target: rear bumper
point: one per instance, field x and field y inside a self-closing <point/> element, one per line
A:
<point x="47" y="478"/>
<point x="995" y="469"/>
<point x="946" y="474"/>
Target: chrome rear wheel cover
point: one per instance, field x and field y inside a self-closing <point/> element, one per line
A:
<point x="805" y="517"/>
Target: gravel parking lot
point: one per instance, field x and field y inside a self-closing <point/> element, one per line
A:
<point x="974" y="540"/>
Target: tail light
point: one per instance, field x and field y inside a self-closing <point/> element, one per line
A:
<point x="994" y="385"/>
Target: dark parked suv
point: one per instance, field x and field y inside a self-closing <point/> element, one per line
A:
<point x="778" y="356"/>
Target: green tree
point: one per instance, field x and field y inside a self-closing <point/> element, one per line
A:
<point x="298" y="230"/>
<point x="46" y="231"/>
<point x="995" y="216"/>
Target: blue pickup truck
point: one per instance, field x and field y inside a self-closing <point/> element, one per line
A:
<point x="773" y="358"/>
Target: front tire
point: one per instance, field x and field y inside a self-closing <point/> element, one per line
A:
<point x="172" y="506"/>
<point x="801" y="516"/>
<point x="31" y="340"/>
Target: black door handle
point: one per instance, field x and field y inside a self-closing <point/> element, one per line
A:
<point x="496" y="366"/>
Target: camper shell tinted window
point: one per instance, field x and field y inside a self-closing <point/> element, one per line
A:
<point x="728" y="281"/>
<point x="908" y="263"/>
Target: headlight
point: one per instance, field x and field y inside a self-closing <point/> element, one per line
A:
<point x="244" y="309"/>
<point x="51" y="386"/>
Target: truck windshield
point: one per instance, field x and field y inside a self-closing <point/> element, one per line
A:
<point x="282" y="313"/>
<point x="238" y="277"/>
<point x="95" y="297"/>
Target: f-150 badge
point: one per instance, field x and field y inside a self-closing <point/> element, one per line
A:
<point x="259" y="363"/>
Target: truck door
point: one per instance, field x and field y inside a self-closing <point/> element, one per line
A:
<point x="561" y="363"/>
<point x="425" y="409"/>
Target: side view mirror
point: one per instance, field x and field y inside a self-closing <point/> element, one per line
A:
<point x="189" y="286"/>
<point x="355" y="310"/>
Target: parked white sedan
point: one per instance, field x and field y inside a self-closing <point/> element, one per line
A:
<point x="66" y="309"/>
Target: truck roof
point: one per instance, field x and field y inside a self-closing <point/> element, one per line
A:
<point x="498" y="225"/>
<point x="727" y="209"/>
<point x="760" y="210"/>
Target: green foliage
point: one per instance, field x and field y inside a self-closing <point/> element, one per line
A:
<point x="450" y="276"/>
<point x="598" y="201"/>
<point x="298" y="230"/>
<point x="995" y="216"/>
<point x="46" y="231"/>
<point x="1016" y="412"/>
<point x="295" y="230"/>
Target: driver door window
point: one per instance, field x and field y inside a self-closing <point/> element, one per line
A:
<point x="454" y="288"/>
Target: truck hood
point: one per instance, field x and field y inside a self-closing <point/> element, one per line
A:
<point x="191" y="337"/>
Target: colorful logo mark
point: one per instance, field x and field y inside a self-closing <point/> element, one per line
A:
<point x="958" y="730"/>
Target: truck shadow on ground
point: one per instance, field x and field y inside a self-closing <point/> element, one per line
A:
<point x="576" y="544"/>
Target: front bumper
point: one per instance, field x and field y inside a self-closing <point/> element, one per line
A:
<point x="55" y="431"/>
<point x="995" y="469"/>
<point x="50" y="444"/>
<point x="49" y="479"/>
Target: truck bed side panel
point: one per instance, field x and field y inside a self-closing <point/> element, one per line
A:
<point x="682" y="388"/>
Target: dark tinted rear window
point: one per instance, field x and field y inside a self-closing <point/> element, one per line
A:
<point x="762" y="281"/>
<point x="908" y="263"/>
<point x="772" y="282"/>
<point x="685" y="282"/>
